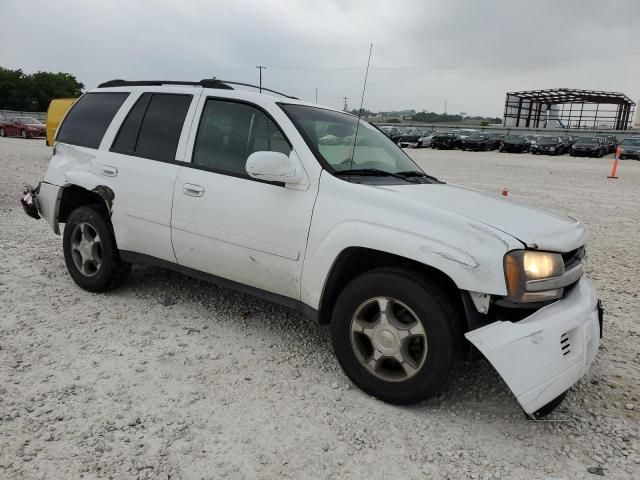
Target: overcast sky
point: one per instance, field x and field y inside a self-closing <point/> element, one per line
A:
<point x="467" y="53"/>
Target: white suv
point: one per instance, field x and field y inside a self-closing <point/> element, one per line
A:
<point x="308" y="207"/>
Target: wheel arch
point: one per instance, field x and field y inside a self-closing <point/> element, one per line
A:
<point x="354" y="261"/>
<point x="74" y="196"/>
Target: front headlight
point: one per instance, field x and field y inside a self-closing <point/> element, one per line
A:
<point x="522" y="266"/>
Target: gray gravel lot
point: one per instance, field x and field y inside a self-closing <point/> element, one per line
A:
<point x="170" y="377"/>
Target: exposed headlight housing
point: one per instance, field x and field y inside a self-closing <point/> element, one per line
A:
<point x="525" y="270"/>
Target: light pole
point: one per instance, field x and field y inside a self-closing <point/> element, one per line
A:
<point x="261" y="67"/>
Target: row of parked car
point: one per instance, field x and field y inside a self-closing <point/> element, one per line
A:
<point x="469" y="139"/>
<point x="25" y="127"/>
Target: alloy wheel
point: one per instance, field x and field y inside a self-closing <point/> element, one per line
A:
<point x="86" y="249"/>
<point x="388" y="339"/>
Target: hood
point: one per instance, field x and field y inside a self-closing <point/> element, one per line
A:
<point x="534" y="227"/>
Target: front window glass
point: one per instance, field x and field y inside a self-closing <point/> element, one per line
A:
<point x="231" y="131"/>
<point x="332" y="135"/>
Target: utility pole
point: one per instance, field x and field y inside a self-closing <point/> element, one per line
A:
<point x="345" y="103"/>
<point x="316" y="94"/>
<point x="445" y="107"/>
<point x="261" y="67"/>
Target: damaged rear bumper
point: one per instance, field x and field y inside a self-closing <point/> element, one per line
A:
<point x="45" y="201"/>
<point x="543" y="355"/>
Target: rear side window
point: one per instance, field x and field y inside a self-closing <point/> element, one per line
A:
<point x="153" y="126"/>
<point x="89" y="118"/>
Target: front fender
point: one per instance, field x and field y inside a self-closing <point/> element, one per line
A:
<point x="480" y="271"/>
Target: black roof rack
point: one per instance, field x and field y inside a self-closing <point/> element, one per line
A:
<point x="205" y="83"/>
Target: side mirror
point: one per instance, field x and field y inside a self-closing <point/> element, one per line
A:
<point x="275" y="167"/>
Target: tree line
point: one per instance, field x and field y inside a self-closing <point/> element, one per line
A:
<point x="34" y="92"/>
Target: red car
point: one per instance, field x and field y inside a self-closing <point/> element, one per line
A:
<point x="25" y="127"/>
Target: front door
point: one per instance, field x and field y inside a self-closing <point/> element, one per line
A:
<point x="228" y="224"/>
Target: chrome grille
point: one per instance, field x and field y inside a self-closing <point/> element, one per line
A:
<point x="573" y="257"/>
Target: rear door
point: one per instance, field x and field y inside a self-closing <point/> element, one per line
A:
<point x="142" y="163"/>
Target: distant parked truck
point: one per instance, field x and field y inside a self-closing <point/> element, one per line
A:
<point x="58" y="108"/>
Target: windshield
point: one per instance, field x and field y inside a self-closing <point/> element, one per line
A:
<point x="589" y="141"/>
<point x="514" y="138"/>
<point x="28" y="120"/>
<point x="331" y="135"/>
<point x="631" y="142"/>
<point x="548" y="140"/>
<point x="477" y="136"/>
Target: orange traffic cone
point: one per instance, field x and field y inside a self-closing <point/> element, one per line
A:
<point x="614" y="168"/>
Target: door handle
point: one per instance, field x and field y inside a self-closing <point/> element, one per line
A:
<point x="108" y="171"/>
<point x="193" y="190"/>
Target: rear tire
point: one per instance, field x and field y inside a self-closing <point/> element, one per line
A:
<point x="2" y="134"/>
<point x="393" y="334"/>
<point x="23" y="134"/>
<point x="90" y="251"/>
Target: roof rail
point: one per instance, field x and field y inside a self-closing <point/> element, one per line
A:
<point x="258" y="87"/>
<point x="205" y="83"/>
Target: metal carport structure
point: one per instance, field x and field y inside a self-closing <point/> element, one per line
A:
<point x="568" y="108"/>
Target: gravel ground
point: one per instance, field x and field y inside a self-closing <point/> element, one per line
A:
<point x="170" y="377"/>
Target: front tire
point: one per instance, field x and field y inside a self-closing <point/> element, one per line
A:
<point x="90" y="251"/>
<point x="23" y="134"/>
<point x="2" y="133"/>
<point x="393" y="334"/>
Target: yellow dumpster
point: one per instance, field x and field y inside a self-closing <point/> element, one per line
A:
<point x="58" y="108"/>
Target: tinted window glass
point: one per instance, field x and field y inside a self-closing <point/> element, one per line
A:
<point x="89" y="118"/>
<point x="162" y="125"/>
<point x="229" y="132"/>
<point x="127" y="137"/>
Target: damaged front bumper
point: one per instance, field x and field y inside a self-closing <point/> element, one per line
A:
<point x="543" y="355"/>
<point x="43" y="201"/>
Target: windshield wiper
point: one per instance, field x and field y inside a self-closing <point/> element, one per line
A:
<point x="372" y="172"/>
<point x="416" y="173"/>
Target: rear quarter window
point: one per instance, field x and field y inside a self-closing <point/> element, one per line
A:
<point x="88" y="120"/>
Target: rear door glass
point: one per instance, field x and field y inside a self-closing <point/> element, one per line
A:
<point x="153" y="126"/>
